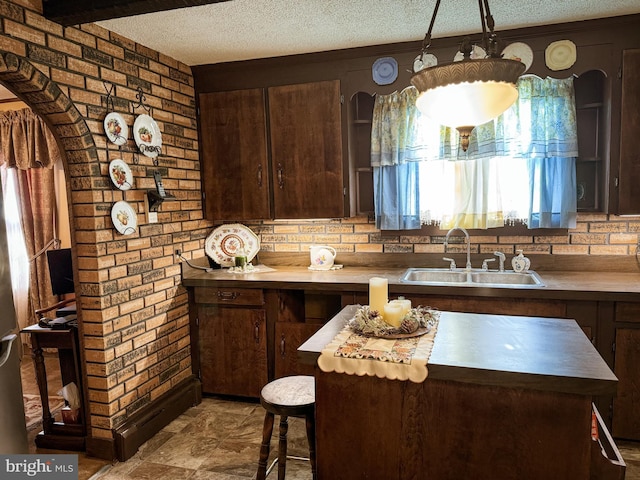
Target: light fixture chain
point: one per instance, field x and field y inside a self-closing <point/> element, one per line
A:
<point x="426" y="43"/>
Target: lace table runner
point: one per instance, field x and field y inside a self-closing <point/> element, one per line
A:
<point x="394" y="359"/>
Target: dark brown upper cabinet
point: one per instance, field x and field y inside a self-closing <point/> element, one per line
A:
<point x="306" y="150"/>
<point x="629" y="173"/>
<point x="235" y="168"/>
<point x="273" y="153"/>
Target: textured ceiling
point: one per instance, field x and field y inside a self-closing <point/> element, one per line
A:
<point x="247" y="29"/>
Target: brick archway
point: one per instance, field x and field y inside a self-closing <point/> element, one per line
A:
<point x="47" y="99"/>
<point x="75" y="142"/>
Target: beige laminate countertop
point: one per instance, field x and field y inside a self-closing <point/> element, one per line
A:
<point x="588" y="285"/>
<point x="518" y="352"/>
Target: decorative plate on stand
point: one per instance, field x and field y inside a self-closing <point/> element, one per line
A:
<point x="147" y="135"/>
<point x="120" y="174"/>
<point x="227" y="241"/>
<point x="124" y="218"/>
<point x="116" y="128"/>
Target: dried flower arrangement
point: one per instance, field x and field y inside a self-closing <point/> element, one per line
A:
<point x="370" y="323"/>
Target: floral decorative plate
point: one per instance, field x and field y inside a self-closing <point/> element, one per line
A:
<point x="116" y="128"/>
<point x="147" y="135"/>
<point x="120" y="174"/>
<point x="124" y="218"/>
<point x="519" y="51"/>
<point x="227" y="241"/>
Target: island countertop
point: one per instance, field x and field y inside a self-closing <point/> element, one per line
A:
<point x="537" y="353"/>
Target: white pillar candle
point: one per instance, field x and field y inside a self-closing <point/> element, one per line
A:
<point x="405" y="303"/>
<point x="378" y="294"/>
<point x="393" y="314"/>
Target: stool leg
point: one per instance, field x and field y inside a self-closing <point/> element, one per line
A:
<point x="282" y="447"/>
<point x="311" y="438"/>
<point x="267" y="430"/>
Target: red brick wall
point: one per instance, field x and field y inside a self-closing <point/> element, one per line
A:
<point x="134" y="314"/>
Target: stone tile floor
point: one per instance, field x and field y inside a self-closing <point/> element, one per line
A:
<point x="216" y="440"/>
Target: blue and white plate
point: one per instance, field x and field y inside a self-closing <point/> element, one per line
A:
<point x="385" y="70"/>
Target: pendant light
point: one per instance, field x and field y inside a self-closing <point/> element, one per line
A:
<point x="471" y="91"/>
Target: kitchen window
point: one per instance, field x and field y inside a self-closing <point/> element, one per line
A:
<point x="519" y="168"/>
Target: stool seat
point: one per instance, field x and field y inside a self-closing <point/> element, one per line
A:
<point x="292" y="396"/>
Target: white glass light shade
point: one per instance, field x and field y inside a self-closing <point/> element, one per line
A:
<point x="467" y="104"/>
<point x="469" y="92"/>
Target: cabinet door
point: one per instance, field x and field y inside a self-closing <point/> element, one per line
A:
<point x="289" y="336"/>
<point x="306" y="150"/>
<point x="626" y="403"/>
<point x="629" y="175"/>
<point x="234" y="155"/>
<point x="233" y="350"/>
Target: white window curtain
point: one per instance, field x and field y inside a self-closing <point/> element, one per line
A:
<point x="18" y="258"/>
<point x="519" y="167"/>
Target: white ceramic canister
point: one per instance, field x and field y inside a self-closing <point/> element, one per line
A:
<point x="322" y="256"/>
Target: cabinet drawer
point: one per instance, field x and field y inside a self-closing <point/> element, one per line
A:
<point x="229" y="296"/>
<point x="627" y="312"/>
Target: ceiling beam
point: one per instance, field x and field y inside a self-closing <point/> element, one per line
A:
<point x="76" y="12"/>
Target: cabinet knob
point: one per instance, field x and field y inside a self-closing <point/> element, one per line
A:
<point x="282" y="346"/>
<point x="259" y="174"/>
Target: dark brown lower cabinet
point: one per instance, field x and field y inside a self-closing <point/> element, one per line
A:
<point x="288" y="337"/>
<point x="233" y="342"/>
<point x="626" y="404"/>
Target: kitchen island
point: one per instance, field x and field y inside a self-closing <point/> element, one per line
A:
<point x="507" y="397"/>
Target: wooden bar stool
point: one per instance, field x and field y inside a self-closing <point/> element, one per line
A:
<point x="288" y="397"/>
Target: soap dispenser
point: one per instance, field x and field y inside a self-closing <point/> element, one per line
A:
<point x="520" y="263"/>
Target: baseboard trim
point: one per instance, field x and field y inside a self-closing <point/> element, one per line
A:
<point x="103" y="448"/>
<point x="145" y="423"/>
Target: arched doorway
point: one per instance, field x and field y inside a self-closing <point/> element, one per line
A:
<point x="74" y="139"/>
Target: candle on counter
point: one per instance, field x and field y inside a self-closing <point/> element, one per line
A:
<point x="393" y="313"/>
<point x="405" y="303"/>
<point x="378" y="294"/>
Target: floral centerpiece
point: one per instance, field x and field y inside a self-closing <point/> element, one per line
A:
<point x="370" y="323"/>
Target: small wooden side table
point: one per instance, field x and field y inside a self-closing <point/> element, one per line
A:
<point x="58" y="435"/>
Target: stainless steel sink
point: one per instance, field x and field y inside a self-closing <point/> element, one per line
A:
<point x="472" y="278"/>
<point x="507" y="277"/>
<point x="434" y="275"/>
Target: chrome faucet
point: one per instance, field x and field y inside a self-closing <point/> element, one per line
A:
<point x="501" y="257"/>
<point x="466" y="236"/>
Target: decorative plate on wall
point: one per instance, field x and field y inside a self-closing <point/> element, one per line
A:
<point x="120" y="174"/>
<point x="385" y="70"/>
<point x="476" y="53"/>
<point x="124" y="218"/>
<point x="116" y="128"/>
<point x="147" y="135"/>
<point x="560" y="55"/>
<point x="227" y="241"/>
<point x="519" y="51"/>
<point x="424" y="60"/>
